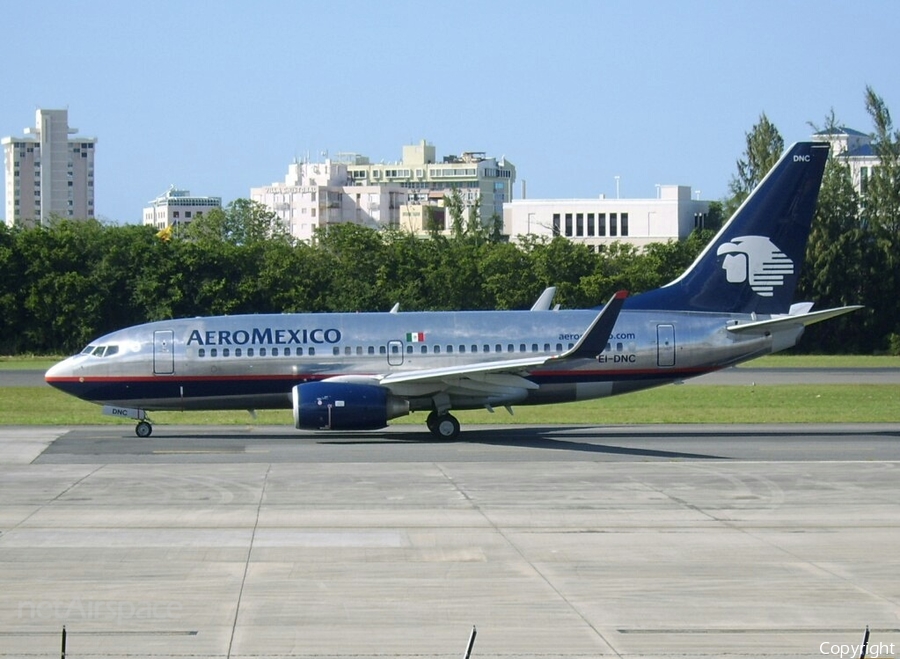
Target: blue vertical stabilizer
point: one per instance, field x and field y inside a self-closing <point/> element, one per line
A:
<point x="753" y="263"/>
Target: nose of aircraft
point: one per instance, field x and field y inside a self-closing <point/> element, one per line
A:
<point x="59" y="370"/>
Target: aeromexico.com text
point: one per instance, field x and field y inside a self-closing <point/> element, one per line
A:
<point x="264" y="336"/>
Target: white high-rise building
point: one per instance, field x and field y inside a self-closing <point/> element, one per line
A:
<point x="49" y="173"/>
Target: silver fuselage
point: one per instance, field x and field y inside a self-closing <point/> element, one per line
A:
<point x="253" y="361"/>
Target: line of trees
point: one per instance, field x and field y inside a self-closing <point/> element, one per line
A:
<point x="853" y="256"/>
<point x="63" y="285"/>
<point x="67" y="284"/>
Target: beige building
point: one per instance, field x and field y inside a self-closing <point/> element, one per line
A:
<point x="854" y="148"/>
<point x="177" y="207"/>
<point x="315" y="195"/>
<point x="476" y="176"/>
<point x="349" y="188"/>
<point x="672" y="215"/>
<point x="49" y="173"/>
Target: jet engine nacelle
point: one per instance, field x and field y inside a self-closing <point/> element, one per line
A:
<point x="344" y="406"/>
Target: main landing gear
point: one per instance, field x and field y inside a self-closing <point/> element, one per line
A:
<point x="443" y="426"/>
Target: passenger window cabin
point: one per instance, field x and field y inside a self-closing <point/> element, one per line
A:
<point x="359" y="351"/>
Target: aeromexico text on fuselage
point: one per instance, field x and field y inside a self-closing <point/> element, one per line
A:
<point x="264" y="336"/>
<point x="285" y="336"/>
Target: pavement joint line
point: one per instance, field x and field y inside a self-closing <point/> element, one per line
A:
<point x="530" y="563"/>
<point x="55" y="499"/>
<point x="748" y="531"/>
<point x="237" y="608"/>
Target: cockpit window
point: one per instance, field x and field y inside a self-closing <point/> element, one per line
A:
<point x="101" y="351"/>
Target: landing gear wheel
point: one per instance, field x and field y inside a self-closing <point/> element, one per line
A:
<point x="444" y="426"/>
<point x="143" y="429"/>
<point x="431" y="422"/>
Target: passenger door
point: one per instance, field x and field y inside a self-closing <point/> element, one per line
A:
<point x="164" y="352"/>
<point x="665" y="345"/>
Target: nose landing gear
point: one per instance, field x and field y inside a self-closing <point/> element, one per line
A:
<point x="144" y="428"/>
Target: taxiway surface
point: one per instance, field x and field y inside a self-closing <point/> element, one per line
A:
<point x="573" y="542"/>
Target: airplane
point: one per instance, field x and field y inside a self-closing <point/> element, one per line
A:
<point x="357" y="371"/>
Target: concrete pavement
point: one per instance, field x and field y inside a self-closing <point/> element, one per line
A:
<point x="555" y="542"/>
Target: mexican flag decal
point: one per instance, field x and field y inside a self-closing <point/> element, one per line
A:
<point x="415" y="337"/>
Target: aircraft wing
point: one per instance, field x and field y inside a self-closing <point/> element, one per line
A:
<point x="782" y="322"/>
<point x="592" y="342"/>
<point x="492" y="376"/>
<point x="436" y="374"/>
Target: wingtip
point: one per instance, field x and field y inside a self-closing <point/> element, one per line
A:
<point x="620" y="295"/>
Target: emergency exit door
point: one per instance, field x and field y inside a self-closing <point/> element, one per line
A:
<point x="163" y="352"/>
<point x="665" y="345"/>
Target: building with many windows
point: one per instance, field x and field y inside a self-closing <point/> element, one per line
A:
<point x="477" y="176"/>
<point x="315" y="195"/>
<point x="404" y="194"/>
<point x="673" y="215"/>
<point x="177" y="207"/>
<point x="48" y="172"/>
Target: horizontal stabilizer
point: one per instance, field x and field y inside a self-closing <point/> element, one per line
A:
<point x="781" y="322"/>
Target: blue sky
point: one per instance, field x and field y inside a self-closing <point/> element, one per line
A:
<point x="218" y="97"/>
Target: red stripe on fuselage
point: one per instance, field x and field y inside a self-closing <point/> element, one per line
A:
<point x="307" y="377"/>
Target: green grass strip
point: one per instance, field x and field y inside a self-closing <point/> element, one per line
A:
<point x="824" y="361"/>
